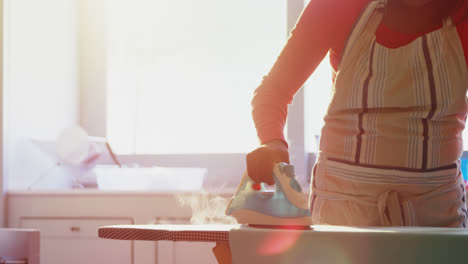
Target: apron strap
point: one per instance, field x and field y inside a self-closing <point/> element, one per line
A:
<point x="390" y="212"/>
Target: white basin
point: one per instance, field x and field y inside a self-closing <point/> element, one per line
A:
<point x="152" y="178"/>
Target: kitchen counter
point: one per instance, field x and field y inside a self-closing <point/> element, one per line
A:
<point x="98" y="192"/>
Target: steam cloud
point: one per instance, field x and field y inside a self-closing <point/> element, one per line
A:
<point x="206" y="208"/>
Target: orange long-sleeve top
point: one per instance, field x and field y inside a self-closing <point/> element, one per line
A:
<point x="322" y="27"/>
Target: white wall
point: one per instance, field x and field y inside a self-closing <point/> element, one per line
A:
<point x="2" y="192"/>
<point x="40" y="76"/>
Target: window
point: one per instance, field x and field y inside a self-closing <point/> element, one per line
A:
<point x="180" y="78"/>
<point x="318" y="90"/>
<point x="181" y="74"/>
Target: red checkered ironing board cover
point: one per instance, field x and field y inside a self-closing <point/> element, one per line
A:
<point x="190" y="233"/>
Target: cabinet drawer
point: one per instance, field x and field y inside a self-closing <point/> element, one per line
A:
<point x="71" y="227"/>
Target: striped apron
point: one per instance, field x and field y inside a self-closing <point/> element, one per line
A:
<point x="392" y="139"/>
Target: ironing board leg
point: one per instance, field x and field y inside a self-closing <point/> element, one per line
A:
<point x="222" y="252"/>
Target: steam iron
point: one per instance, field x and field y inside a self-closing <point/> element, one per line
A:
<point x="286" y="207"/>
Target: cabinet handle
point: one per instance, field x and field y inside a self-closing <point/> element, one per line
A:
<point x="75" y="228"/>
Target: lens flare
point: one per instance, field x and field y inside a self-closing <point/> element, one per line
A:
<point x="280" y="240"/>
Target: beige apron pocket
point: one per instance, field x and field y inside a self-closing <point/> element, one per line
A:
<point x="348" y="212"/>
<point x="443" y="207"/>
<point x="330" y="212"/>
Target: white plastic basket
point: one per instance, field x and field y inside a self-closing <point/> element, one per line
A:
<point x="153" y="178"/>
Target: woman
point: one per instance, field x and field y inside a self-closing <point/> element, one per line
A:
<point x="392" y="139"/>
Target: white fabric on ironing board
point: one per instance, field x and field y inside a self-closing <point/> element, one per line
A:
<point x="336" y="245"/>
<point x="392" y="136"/>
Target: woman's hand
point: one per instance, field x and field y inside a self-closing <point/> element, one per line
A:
<point x="260" y="162"/>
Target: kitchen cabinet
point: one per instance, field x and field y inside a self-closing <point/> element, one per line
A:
<point x="69" y="221"/>
<point x="75" y="240"/>
<point x="183" y="252"/>
<point x="190" y="252"/>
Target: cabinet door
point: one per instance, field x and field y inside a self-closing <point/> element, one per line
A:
<point x="75" y="241"/>
<point x="169" y="252"/>
<point x="194" y="252"/>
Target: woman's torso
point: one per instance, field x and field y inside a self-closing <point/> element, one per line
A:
<point x="398" y="107"/>
<point x="322" y="27"/>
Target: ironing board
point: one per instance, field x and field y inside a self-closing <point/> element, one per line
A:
<point x="324" y="244"/>
<point x="177" y="233"/>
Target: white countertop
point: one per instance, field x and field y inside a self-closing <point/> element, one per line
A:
<point x="95" y="192"/>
